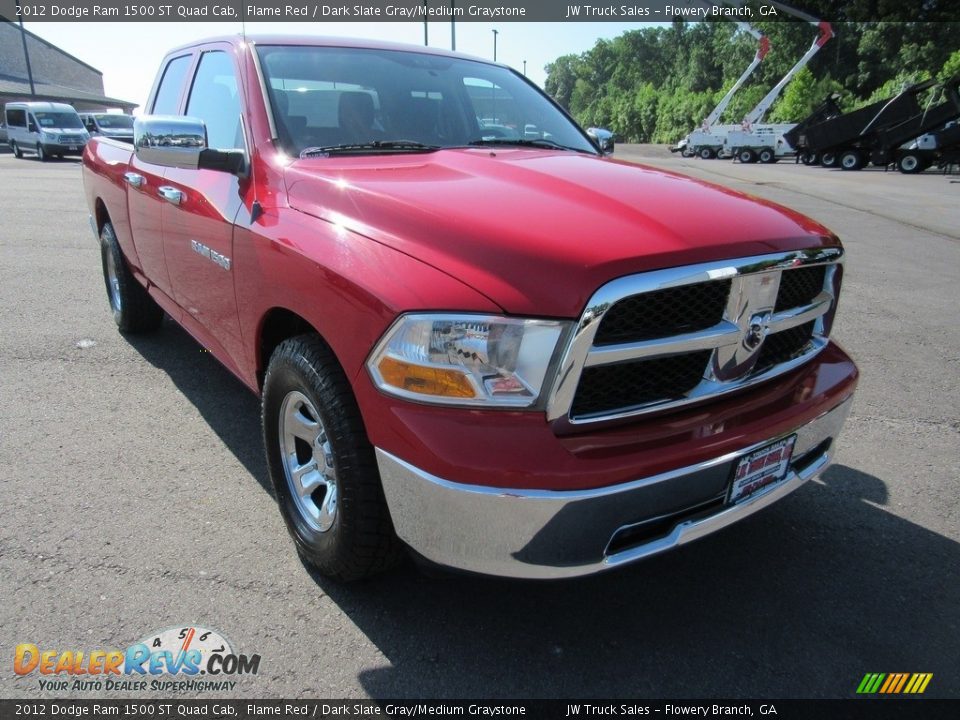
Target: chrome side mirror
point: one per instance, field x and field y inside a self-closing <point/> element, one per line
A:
<point x="603" y="138"/>
<point x="169" y="140"/>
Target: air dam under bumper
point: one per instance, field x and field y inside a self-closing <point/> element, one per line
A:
<point x="557" y="534"/>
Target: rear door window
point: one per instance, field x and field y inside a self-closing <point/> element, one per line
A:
<point x="167" y="101"/>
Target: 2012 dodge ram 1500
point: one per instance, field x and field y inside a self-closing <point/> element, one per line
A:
<point x="503" y="350"/>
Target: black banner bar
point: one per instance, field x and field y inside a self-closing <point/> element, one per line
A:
<point x="854" y="709"/>
<point x="460" y="11"/>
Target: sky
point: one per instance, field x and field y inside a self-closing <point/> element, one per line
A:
<point x="128" y="54"/>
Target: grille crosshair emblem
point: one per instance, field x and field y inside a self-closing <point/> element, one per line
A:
<point x="757" y="330"/>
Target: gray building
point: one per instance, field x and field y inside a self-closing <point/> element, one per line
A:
<point x="57" y="76"/>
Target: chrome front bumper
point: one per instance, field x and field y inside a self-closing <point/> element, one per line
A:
<point x="558" y="534"/>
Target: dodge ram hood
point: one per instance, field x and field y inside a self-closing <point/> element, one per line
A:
<point x="538" y="232"/>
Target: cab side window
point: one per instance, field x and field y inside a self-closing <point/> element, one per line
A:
<point x="167" y="101"/>
<point x="16" y="118"/>
<point x="214" y="98"/>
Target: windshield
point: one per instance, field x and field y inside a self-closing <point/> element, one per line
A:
<point x="115" y="122"/>
<point x="58" y="120"/>
<point x="324" y="97"/>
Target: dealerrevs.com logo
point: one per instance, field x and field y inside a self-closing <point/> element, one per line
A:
<point x="190" y="658"/>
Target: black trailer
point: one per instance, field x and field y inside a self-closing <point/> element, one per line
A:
<point x="876" y="133"/>
<point x="830" y="138"/>
<point x="796" y="136"/>
<point x="941" y="148"/>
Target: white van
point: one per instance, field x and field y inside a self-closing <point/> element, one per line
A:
<point x="111" y="125"/>
<point x="45" y="129"/>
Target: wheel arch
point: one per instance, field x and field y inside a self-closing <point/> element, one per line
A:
<point x="101" y="215"/>
<point x="277" y="325"/>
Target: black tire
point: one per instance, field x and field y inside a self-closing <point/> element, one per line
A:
<point x="746" y="155"/>
<point x="767" y="156"/>
<point x="911" y="163"/>
<point x="707" y="153"/>
<point x="829" y="159"/>
<point x="851" y="160"/>
<point x="687" y="152"/>
<point x="354" y="539"/>
<point x="17" y="152"/>
<point x="810" y="158"/>
<point x="133" y="309"/>
<point x="41" y="153"/>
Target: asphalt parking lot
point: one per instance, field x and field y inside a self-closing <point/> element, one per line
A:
<point x="136" y="498"/>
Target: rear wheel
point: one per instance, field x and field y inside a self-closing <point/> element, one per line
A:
<point x="17" y="152"/>
<point x="133" y="309"/>
<point x="851" y="160"/>
<point x="322" y="465"/>
<point x="767" y="156"/>
<point x="829" y="160"/>
<point x="41" y="153"/>
<point x="746" y="155"/>
<point x="809" y="158"/>
<point x="910" y="164"/>
<point x="707" y="153"/>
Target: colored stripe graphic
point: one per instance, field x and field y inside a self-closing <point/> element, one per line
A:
<point x="894" y="683"/>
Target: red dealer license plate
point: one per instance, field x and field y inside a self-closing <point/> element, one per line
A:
<point x="761" y="469"/>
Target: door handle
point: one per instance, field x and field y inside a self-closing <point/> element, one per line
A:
<point x="171" y="194"/>
<point x="133" y="179"/>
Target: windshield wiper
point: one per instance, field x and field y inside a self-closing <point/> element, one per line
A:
<point x="521" y="142"/>
<point x="374" y="146"/>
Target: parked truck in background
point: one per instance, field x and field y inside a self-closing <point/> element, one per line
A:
<point x="514" y="356"/>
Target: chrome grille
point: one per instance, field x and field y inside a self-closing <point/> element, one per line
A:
<point x="799" y="287"/>
<point x="664" y="312"/>
<point x="672" y="337"/>
<point x="608" y="387"/>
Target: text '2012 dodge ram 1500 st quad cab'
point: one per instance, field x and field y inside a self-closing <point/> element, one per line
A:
<point x="511" y="354"/>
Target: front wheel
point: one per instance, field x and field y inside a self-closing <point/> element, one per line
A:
<point x="322" y="465"/>
<point x="41" y="153"/>
<point x="17" y="152"/>
<point x="133" y="309"/>
<point x="747" y="156"/>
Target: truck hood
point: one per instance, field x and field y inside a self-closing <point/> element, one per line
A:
<point x="536" y="231"/>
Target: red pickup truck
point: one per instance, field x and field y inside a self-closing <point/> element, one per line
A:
<point x="476" y="336"/>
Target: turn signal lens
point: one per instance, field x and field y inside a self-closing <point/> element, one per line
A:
<point x="425" y="380"/>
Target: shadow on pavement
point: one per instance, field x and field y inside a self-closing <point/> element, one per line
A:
<point x="800" y="600"/>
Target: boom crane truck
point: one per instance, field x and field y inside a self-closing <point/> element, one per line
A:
<point x="755" y="141"/>
<point x="707" y="140"/>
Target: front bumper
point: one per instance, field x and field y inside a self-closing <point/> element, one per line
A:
<point x="64" y="148"/>
<point x="556" y="534"/>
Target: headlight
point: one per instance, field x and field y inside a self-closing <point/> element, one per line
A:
<point x="466" y="359"/>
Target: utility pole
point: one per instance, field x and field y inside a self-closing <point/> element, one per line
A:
<point x="524" y="68"/>
<point x="26" y="53"/>
<point x="453" y="24"/>
<point x="425" y="8"/>
<point x="495" y="33"/>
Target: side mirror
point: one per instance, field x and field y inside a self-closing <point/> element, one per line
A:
<point x="181" y="142"/>
<point x="31" y="127"/>
<point x="603" y="139"/>
<point x="169" y="141"/>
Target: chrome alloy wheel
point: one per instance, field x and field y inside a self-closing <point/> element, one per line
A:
<point x="113" y="284"/>
<point x="307" y="458"/>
